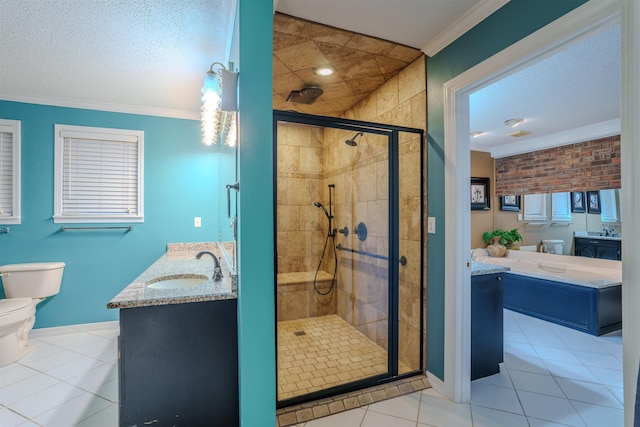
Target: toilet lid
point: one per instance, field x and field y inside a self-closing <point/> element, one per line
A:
<point x="10" y="305"/>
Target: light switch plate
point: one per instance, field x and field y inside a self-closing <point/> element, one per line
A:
<point x="197" y="222"/>
<point x="431" y="225"/>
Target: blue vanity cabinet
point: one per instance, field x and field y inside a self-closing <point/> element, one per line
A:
<point x="178" y="365"/>
<point x="487" y="336"/>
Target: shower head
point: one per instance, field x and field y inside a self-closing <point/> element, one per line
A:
<point x="352" y="142"/>
<point x="320" y="205"/>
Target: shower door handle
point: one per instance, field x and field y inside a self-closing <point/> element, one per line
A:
<point x="236" y="187"/>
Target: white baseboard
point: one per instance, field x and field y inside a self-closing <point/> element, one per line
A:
<point x="436" y="383"/>
<point x="71" y="329"/>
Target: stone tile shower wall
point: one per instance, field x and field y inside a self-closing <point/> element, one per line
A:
<point x="301" y="227"/>
<point x="590" y="165"/>
<point x="362" y="291"/>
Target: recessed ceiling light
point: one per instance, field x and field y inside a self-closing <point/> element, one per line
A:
<point x="324" y="70"/>
<point x="513" y="122"/>
<point x="520" y="133"/>
<point x="476" y="133"/>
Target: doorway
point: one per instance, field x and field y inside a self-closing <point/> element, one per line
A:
<point x="567" y="29"/>
<point x="349" y="255"/>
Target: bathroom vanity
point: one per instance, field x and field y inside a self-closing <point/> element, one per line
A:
<point x="487" y="335"/>
<point x="178" y="345"/>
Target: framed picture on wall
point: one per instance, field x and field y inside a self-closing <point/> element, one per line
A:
<point x="480" y="194"/>
<point x="593" y="202"/>
<point x="510" y="203"/>
<point x="578" y="204"/>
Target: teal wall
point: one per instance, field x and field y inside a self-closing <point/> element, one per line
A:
<point x="514" y="21"/>
<point x="256" y="304"/>
<point x="181" y="180"/>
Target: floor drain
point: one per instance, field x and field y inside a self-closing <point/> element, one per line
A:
<point x="299" y="333"/>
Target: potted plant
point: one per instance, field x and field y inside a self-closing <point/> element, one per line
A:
<point x="508" y="239"/>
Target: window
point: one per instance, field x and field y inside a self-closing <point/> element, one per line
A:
<point x="561" y="207"/>
<point x="608" y="206"/>
<point x="535" y="207"/>
<point x="9" y="172"/>
<point x="98" y="175"/>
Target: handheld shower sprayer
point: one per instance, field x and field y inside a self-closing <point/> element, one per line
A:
<point x="320" y="205"/>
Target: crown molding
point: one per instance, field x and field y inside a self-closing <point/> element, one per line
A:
<point x="100" y="106"/>
<point x="567" y="137"/>
<point x="462" y="24"/>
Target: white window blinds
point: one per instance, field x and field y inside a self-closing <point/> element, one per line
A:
<point x="9" y="172"/>
<point x="98" y="175"/>
<point x="535" y="207"/>
<point x="608" y="206"/>
<point x="561" y="207"/>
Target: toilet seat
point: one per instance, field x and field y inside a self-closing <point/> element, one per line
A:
<point x="13" y="305"/>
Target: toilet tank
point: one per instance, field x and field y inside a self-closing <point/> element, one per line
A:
<point x="553" y="246"/>
<point x="32" y="280"/>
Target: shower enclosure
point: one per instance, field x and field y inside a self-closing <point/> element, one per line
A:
<point x="349" y="254"/>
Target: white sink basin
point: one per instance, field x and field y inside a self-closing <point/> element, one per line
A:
<point x="176" y="281"/>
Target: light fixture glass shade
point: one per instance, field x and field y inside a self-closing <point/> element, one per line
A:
<point x="216" y="124"/>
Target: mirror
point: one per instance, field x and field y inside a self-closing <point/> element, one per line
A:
<point x="559" y="216"/>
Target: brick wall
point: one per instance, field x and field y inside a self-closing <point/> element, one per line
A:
<point x="590" y="165"/>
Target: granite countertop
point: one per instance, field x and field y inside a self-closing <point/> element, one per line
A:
<point x="480" y="268"/>
<point x="180" y="259"/>
<point x="596" y="235"/>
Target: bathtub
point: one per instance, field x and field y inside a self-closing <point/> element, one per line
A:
<point x="578" y="292"/>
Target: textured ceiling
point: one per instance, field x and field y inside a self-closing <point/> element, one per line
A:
<point x="362" y="64"/>
<point x="141" y="53"/>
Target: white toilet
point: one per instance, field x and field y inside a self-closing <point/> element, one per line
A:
<point x="553" y="246"/>
<point x="25" y="285"/>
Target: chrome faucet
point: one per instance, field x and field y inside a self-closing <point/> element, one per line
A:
<point x="217" y="271"/>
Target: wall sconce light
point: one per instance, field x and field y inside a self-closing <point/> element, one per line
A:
<point x="219" y="106"/>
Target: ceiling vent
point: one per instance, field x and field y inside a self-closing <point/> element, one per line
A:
<point x="307" y="95"/>
<point x="519" y="133"/>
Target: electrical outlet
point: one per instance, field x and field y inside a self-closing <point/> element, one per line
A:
<point x="519" y="217"/>
<point x="197" y="222"/>
<point x="431" y="225"/>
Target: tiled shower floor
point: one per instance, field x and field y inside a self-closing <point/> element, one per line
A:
<point x="329" y="353"/>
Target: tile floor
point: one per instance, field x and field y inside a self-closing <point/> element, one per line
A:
<point x="330" y="353"/>
<point x="67" y="380"/>
<point x="552" y="377"/>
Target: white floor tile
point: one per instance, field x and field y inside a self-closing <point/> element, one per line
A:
<point x="593" y="393"/>
<point x="25" y="388"/>
<point x="549" y="408"/>
<point x="525" y="363"/>
<point x="105" y="418"/>
<point x="353" y="417"/>
<point x="586" y="343"/>
<point x="611" y="377"/>
<point x="376" y="419"/>
<point x="519" y="349"/>
<point x="404" y="406"/>
<point x="618" y="392"/>
<point x="15" y="373"/>
<point x="555" y="354"/>
<point x="10" y="419"/>
<point x="546" y="339"/>
<point x="500" y="398"/>
<point x="92" y="379"/>
<point x="49" y="398"/>
<point x="570" y="370"/>
<point x="536" y="383"/>
<point x="535" y="422"/>
<point x="47" y="362"/>
<point x="598" y="416"/>
<point x="71" y="368"/>
<point x="443" y="413"/>
<point x="515" y="336"/>
<point x="501" y="379"/>
<point x="487" y="417"/>
<point x="73" y="411"/>
<point x="598" y="360"/>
